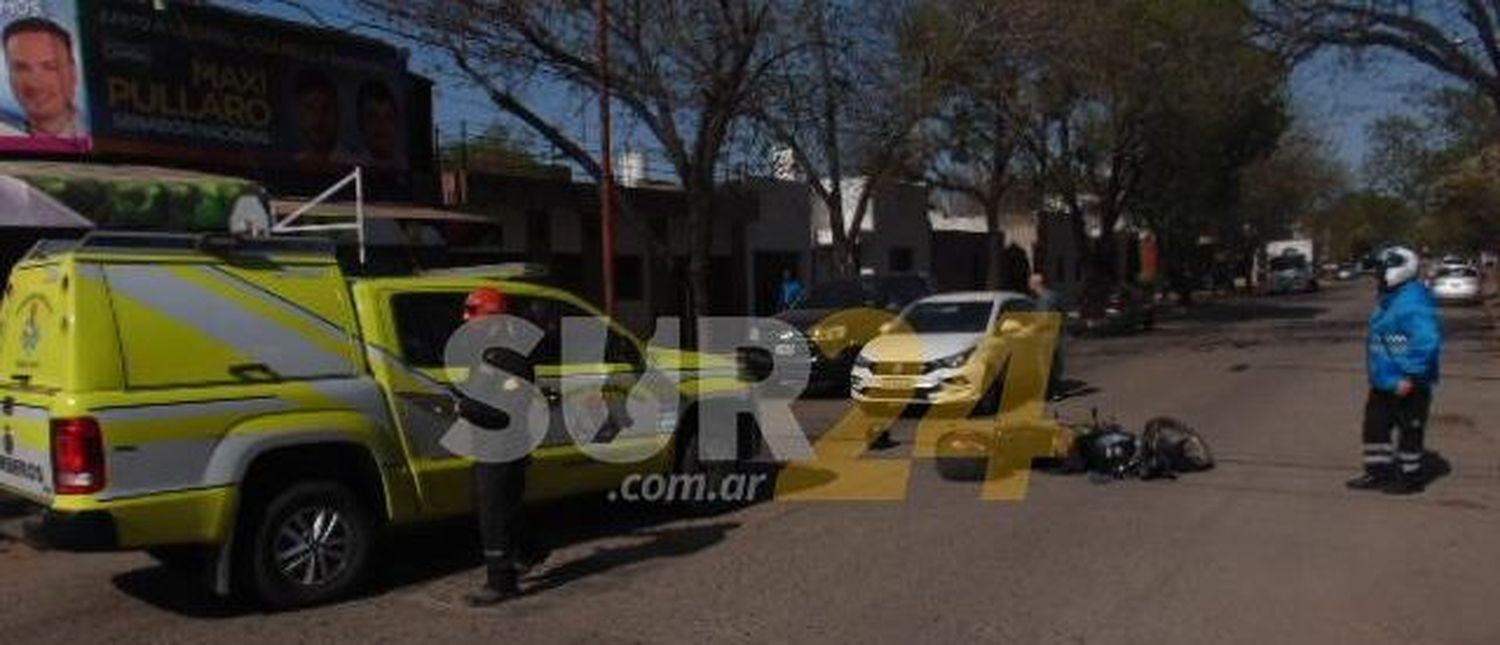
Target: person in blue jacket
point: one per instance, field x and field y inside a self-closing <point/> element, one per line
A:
<point x="1403" y="349"/>
<point x="791" y="290"/>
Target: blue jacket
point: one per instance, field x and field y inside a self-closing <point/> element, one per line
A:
<point x="1406" y="338"/>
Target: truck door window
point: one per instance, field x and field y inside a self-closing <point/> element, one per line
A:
<point x="425" y="322"/>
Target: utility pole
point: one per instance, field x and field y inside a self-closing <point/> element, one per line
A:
<point x="607" y="179"/>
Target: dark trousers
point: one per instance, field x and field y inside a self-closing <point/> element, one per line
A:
<point x="1394" y="430"/>
<point x="498" y="489"/>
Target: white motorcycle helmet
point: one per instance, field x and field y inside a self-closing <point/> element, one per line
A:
<point x="1399" y="265"/>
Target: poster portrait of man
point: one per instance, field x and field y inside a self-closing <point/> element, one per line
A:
<point x="41" y="102"/>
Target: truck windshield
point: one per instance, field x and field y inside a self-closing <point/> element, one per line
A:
<point x="1288" y="262"/>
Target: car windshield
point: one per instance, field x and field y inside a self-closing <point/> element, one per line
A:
<point x="948" y="317"/>
<point x="1458" y="273"/>
<point x="902" y="291"/>
<point x="838" y="295"/>
<point x="891" y="292"/>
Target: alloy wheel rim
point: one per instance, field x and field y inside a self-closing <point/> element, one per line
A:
<point x="312" y="546"/>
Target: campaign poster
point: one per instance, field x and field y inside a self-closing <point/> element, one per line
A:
<point x="202" y="83"/>
<point x="43" y="100"/>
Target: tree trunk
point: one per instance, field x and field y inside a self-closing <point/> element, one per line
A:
<point x="1106" y="252"/>
<point x="845" y="258"/>
<point x="996" y="273"/>
<point x="700" y="241"/>
<point x="845" y="249"/>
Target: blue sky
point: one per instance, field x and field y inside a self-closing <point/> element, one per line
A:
<point x="1336" y="98"/>
<point x="1340" y="99"/>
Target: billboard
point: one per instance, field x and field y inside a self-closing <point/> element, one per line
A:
<point x="43" y="101"/>
<point x="197" y="83"/>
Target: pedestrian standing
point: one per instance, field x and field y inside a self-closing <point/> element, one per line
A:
<point x="1403" y="349"/>
<point x="791" y="290"/>
<point x="498" y="485"/>
<point x="1048" y="302"/>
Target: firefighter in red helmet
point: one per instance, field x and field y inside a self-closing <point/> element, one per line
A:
<point x="498" y="486"/>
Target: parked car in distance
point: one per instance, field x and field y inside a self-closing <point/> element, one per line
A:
<point x="1113" y="309"/>
<point x="1455" y="262"/>
<point x="1290" y="273"/>
<point x="1347" y="271"/>
<point x="1458" y="285"/>
<point x="827" y="314"/>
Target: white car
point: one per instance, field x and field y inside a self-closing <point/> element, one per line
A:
<point x="1455" y="262"/>
<point x="1448" y="263"/>
<point x="943" y="350"/>
<point x="1456" y="285"/>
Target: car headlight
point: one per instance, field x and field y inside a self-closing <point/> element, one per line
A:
<point x="828" y="333"/>
<point x="949" y="362"/>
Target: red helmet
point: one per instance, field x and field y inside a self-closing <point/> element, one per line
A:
<point x="486" y="301"/>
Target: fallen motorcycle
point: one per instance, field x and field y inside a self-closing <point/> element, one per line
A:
<point x="1103" y="449"/>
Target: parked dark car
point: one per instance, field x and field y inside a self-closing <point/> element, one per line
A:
<point x="1113" y="309"/>
<point x="837" y="318"/>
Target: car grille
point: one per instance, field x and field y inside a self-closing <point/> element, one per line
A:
<point x="900" y="394"/>
<point x="897" y="368"/>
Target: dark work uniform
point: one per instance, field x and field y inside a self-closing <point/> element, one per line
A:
<point x="1384" y="411"/>
<point x="498" y="487"/>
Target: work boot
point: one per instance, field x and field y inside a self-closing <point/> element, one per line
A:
<point x="1368" y="481"/>
<point x="488" y="596"/>
<point x="500" y="585"/>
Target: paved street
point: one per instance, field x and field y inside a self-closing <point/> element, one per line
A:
<point x="1269" y="547"/>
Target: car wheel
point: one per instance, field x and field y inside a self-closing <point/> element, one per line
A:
<point x="309" y="544"/>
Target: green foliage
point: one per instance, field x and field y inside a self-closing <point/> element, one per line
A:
<point x="1466" y="217"/>
<point x="496" y="150"/>
<point x="1362" y="222"/>
<point x="1202" y="101"/>
<point x="147" y="204"/>
<point x="1438" y="164"/>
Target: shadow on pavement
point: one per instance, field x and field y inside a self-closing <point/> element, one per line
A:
<point x="414" y="555"/>
<point x="1434" y="467"/>
<point x="178" y="592"/>
<point x="1072" y="388"/>
<point x="667" y="542"/>
<point x="1247" y="309"/>
<point x="436" y="550"/>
